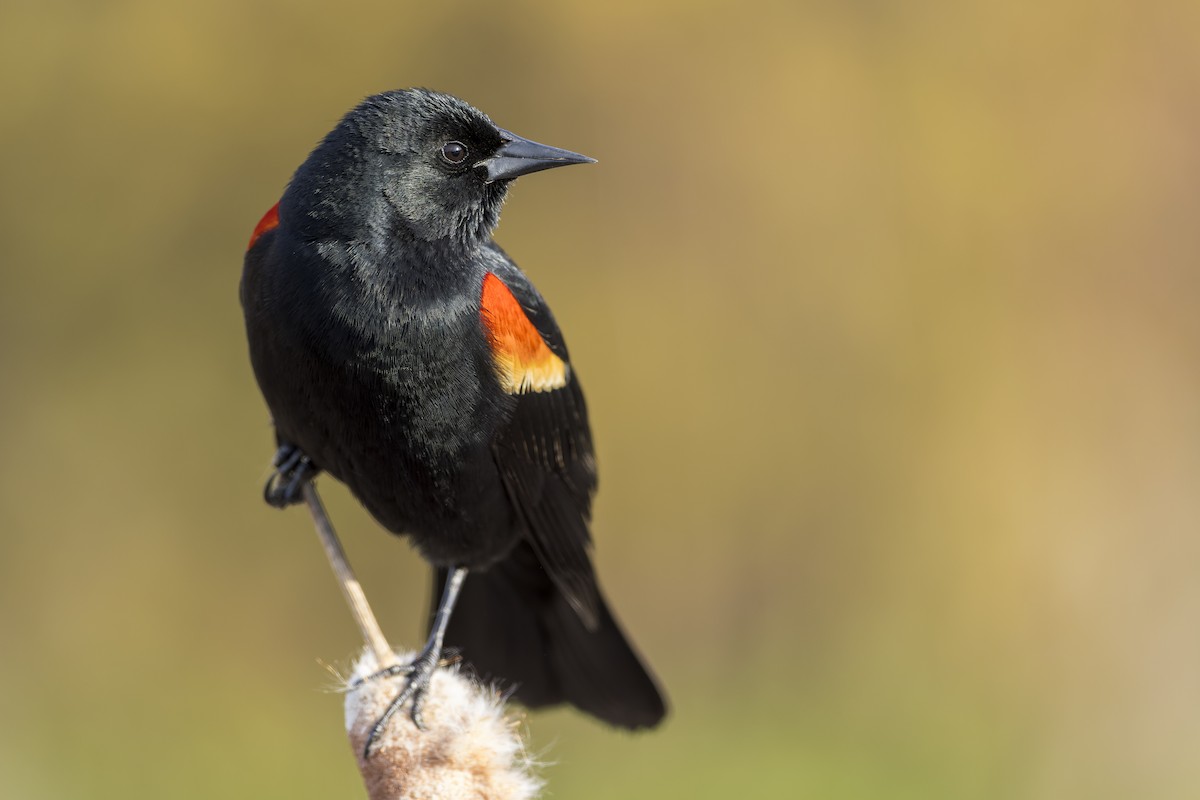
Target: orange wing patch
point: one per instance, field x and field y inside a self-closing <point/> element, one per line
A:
<point x="269" y="222"/>
<point x="523" y="361"/>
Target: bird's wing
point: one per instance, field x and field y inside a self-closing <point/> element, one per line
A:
<point x="544" y="452"/>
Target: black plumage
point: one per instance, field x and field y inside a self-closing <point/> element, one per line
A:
<point x="374" y="349"/>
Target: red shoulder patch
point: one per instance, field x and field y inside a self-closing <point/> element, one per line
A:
<point x="523" y="361"/>
<point x="269" y="222"/>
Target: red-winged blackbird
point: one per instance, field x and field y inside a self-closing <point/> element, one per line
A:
<point x="401" y="350"/>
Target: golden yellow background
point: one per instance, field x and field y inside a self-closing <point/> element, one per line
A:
<point x="888" y="317"/>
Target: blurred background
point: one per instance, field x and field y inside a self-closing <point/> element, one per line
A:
<point x="887" y="314"/>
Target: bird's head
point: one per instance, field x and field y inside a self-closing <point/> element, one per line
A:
<point x="414" y="162"/>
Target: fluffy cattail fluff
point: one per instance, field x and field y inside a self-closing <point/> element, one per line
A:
<point x="469" y="748"/>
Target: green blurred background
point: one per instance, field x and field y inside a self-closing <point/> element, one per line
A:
<point x="887" y="313"/>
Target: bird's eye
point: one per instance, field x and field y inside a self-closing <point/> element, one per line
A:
<point x="454" y="152"/>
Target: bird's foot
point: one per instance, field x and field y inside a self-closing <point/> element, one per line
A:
<point x="419" y="673"/>
<point x="293" y="469"/>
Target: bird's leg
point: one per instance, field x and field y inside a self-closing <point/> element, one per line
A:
<point x="293" y="469"/>
<point x="420" y="671"/>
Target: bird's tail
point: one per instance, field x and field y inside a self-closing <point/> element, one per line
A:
<point x="514" y="628"/>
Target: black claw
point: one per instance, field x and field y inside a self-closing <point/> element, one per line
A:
<point x="293" y="469"/>
<point x="286" y="457"/>
<point x="395" y="669"/>
<point x="415" y="714"/>
<point x="420" y="672"/>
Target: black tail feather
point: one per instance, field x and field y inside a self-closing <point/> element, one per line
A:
<point x="514" y="628"/>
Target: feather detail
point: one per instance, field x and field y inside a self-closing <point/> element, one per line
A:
<point x="269" y="222"/>
<point x="523" y="361"/>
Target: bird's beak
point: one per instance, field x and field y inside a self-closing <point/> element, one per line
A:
<point x="517" y="157"/>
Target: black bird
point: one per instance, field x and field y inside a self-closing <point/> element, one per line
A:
<point x="402" y="351"/>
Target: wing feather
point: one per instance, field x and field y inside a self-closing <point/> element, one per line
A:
<point x="545" y="457"/>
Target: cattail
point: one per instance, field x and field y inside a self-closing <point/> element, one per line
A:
<point x="470" y="747"/>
